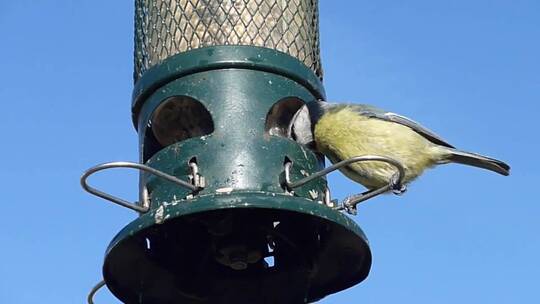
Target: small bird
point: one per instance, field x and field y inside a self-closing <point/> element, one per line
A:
<point x="342" y="131"/>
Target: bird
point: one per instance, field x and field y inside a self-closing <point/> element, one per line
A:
<point x="341" y="131"/>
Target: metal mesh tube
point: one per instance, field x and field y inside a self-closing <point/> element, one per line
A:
<point x="164" y="28"/>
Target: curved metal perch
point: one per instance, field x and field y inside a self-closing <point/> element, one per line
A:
<point x="145" y="206"/>
<point x="349" y="203"/>
<point x="93" y="291"/>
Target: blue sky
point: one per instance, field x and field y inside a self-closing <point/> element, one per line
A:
<point x="468" y="70"/>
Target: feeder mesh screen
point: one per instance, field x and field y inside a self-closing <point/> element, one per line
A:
<point x="164" y="28"/>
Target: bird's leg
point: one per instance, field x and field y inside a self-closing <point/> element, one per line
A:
<point x="349" y="203"/>
<point x="396" y="187"/>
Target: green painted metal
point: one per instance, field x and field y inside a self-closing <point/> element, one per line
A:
<point x="253" y="168"/>
<point x="248" y="157"/>
<point x="177" y="252"/>
<point x="182" y="230"/>
<point x="223" y="57"/>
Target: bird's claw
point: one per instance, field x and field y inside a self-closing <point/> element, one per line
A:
<point x="399" y="190"/>
<point x="350" y="208"/>
<point x="396" y="187"/>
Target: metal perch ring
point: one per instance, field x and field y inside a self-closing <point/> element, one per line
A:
<point x="145" y="206"/>
<point x="349" y="204"/>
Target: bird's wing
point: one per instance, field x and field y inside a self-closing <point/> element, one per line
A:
<point x="373" y="112"/>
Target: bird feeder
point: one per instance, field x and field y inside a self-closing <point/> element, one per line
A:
<point x="217" y="84"/>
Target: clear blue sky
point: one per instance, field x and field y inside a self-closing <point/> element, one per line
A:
<point x="468" y="69"/>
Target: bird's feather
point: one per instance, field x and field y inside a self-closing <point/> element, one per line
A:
<point x="373" y="112"/>
<point x="343" y="131"/>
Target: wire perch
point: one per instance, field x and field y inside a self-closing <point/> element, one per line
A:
<point x="145" y="205"/>
<point x="349" y="203"/>
<point x="93" y="291"/>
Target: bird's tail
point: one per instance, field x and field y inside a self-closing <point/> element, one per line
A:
<point x="477" y="160"/>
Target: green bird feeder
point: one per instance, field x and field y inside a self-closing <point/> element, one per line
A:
<point x="217" y="84"/>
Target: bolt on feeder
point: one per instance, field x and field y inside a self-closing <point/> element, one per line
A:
<point x="217" y="84"/>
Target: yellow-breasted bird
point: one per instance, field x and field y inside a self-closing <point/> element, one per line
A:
<point x="342" y="131"/>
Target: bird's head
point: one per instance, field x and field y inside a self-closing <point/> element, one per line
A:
<point x="317" y="109"/>
<point x="303" y="122"/>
